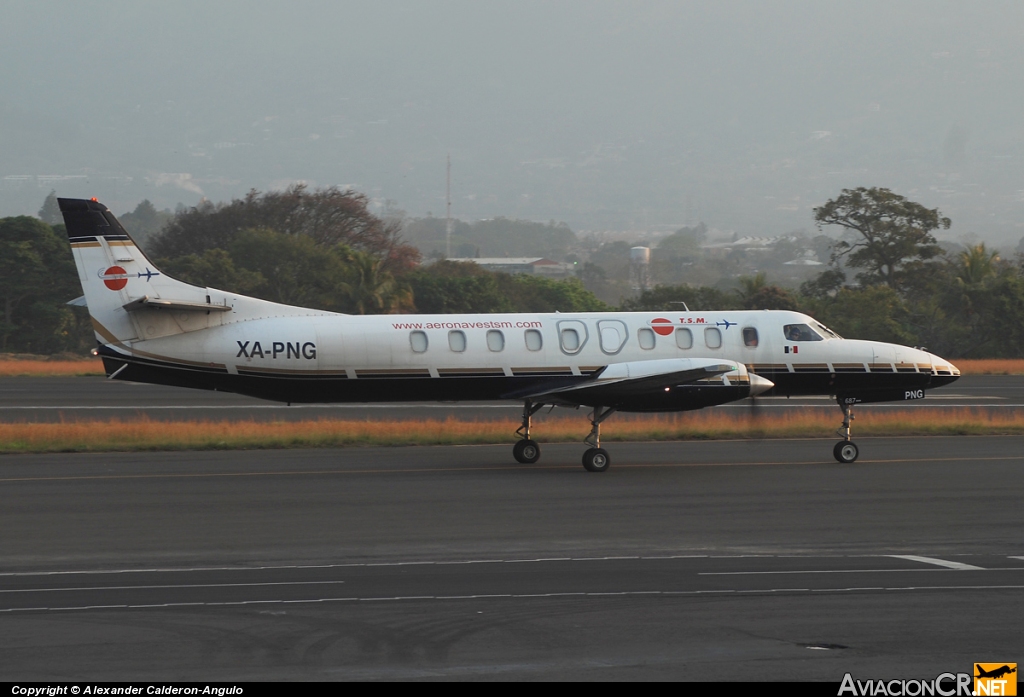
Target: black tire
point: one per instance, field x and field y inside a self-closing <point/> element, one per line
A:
<point x="596" y="460"/>
<point x="846" y="452"/>
<point x="526" y="451"/>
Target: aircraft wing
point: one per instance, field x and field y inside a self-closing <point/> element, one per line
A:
<point x="631" y="383"/>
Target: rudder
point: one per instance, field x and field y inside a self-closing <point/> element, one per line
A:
<point x="116" y="275"/>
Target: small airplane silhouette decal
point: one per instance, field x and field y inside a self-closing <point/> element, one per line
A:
<point x="995" y="672"/>
<point x="149" y="274"/>
<point x="726" y="323"/>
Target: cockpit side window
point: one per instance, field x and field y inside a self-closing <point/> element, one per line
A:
<point x="822" y="329"/>
<point x="801" y="332"/>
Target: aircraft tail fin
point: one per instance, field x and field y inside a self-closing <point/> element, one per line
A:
<point x="129" y="299"/>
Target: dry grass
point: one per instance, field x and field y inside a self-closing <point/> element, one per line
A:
<point x="41" y="366"/>
<point x="146" y="434"/>
<point x="990" y="366"/>
<point x="33" y="367"/>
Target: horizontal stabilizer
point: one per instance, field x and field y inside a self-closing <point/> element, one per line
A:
<point x="78" y="302"/>
<point x="148" y="303"/>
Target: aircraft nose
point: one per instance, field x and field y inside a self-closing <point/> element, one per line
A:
<point x="943" y="372"/>
<point x="759" y="384"/>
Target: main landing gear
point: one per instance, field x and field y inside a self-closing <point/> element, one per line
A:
<point x="595" y="458"/>
<point x="846" y="450"/>
<point x="526" y="450"/>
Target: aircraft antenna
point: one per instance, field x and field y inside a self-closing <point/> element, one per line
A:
<point x="448" y="219"/>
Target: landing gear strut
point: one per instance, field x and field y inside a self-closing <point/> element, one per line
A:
<point x="595" y="458"/>
<point x="526" y="450"/>
<point x="846" y="450"/>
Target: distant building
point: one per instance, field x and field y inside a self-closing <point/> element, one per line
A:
<point x="535" y="266"/>
<point x="746" y="243"/>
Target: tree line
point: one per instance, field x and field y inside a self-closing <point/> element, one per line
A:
<point x="887" y="278"/>
<point x="968" y="304"/>
<point x="315" y="248"/>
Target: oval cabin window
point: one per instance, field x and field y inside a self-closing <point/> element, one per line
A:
<point x="684" y="338"/>
<point x="457" y="341"/>
<point x="495" y="340"/>
<point x="646" y="337"/>
<point x="713" y="337"/>
<point x="613" y="335"/>
<point x="750" y="337"/>
<point x="570" y="340"/>
<point x="418" y="341"/>
<point x="534" y="341"/>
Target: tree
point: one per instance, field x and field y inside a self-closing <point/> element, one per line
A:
<point x="755" y="294"/>
<point x="37" y="278"/>
<point x="538" y="294"/>
<point x="495" y="237"/>
<point x="214" y="268"/>
<point x="975" y="264"/>
<point x="875" y="313"/>
<point x="449" y="287"/>
<point x="684" y="242"/>
<point x="672" y="298"/>
<point x="327" y="217"/>
<point x="371" y="290"/>
<point x="893" y="234"/>
<point x="145" y="221"/>
<point x="50" y="212"/>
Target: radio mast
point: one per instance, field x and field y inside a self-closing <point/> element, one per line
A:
<point x="448" y="219"/>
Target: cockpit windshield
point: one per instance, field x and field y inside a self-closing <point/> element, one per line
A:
<point x="826" y="331"/>
<point x="801" y="332"/>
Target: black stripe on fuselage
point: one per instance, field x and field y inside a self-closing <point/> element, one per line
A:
<point x="332" y="388"/>
<point x="315" y="387"/>
<point x="809" y="382"/>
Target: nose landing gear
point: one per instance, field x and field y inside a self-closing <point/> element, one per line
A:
<point x="845" y="451"/>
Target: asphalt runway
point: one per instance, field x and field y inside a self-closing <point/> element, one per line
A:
<point x="54" y="399"/>
<point x="701" y="560"/>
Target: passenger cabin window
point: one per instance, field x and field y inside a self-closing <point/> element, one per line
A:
<point x="684" y="338"/>
<point x="570" y="340"/>
<point x="801" y="332"/>
<point x="457" y="341"/>
<point x="713" y="337"/>
<point x="534" y="341"/>
<point x="495" y="340"/>
<point x="750" y="337"/>
<point x="613" y="335"/>
<point x="418" y="341"/>
<point x="646" y="337"/>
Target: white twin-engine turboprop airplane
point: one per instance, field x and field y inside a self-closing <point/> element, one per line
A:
<point x="154" y="329"/>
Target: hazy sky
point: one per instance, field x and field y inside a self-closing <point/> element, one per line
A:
<point x="607" y="115"/>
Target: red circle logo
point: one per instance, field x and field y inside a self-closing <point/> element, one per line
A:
<point x="114" y="278"/>
<point x="662" y="326"/>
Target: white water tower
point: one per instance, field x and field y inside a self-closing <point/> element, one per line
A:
<point x="640" y="268"/>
